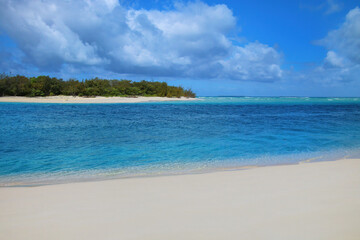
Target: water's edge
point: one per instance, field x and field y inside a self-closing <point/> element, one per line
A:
<point x="107" y="176"/>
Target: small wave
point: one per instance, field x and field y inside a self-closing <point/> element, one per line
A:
<point x="209" y="165"/>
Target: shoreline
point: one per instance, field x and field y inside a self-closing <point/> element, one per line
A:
<point x="98" y="99"/>
<point x="32" y="180"/>
<point x="315" y="200"/>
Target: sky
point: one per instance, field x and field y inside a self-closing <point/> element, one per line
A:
<point x="216" y="48"/>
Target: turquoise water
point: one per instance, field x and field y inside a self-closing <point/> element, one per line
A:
<point x="47" y="143"/>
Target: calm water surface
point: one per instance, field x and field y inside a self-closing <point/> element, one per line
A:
<point x="45" y="143"/>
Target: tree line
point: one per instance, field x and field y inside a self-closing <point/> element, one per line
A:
<point x="50" y="86"/>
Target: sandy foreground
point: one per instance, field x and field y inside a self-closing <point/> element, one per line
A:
<point x="307" y="201"/>
<point x="71" y="99"/>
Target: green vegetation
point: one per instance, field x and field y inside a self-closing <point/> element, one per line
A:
<point x="47" y="86"/>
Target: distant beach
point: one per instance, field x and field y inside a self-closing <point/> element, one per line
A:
<point x="98" y="99"/>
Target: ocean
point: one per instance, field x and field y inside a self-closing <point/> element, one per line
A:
<point x="54" y="143"/>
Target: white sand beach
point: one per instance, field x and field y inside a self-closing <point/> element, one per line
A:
<point x="318" y="200"/>
<point x="71" y="99"/>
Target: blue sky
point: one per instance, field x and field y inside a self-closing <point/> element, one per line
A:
<point x="252" y="48"/>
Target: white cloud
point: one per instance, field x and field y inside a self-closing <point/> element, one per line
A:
<point x="334" y="60"/>
<point x="342" y="62"/>
<point x="254" y="61"/>
<point x="192" y="40"/>
<point x="346" y="39"/>
<point x="43" y="34"/>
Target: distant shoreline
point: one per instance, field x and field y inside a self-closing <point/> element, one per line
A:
<point x="98" y="99"/>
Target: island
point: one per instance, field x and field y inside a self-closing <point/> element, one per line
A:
<point x="54" y="90"/>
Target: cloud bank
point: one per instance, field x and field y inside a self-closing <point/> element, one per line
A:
<point x="190" y="41"/>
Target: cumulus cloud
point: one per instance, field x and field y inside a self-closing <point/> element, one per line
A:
<point x="342" y="62"/>
<point x="334" y="60"/>
<point x="192" y="40"/>
<point x="346" y="39"/>
<point x="254" y="61"/>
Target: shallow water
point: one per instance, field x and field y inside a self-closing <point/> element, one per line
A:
<point x="41" y="143"/>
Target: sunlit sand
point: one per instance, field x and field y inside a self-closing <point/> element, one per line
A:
<point x="98" y="99"/>
<point x="318" y="200"/>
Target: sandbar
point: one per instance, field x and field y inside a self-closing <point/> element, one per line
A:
<point x="318" y="200"/>
<point x="98" y="99"/>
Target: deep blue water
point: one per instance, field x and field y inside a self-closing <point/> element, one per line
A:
<point x="67" y="142"/>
